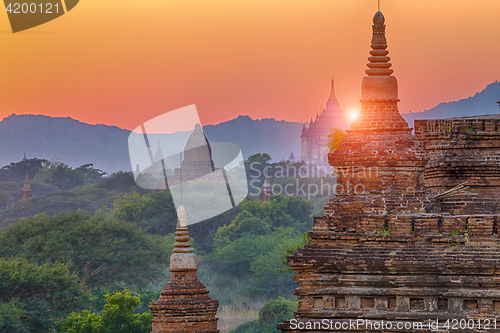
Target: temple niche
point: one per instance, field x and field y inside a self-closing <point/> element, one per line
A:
<point x="412" y="236"/>
<point x="314" y="138"/>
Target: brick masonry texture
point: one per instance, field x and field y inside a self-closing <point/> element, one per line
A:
<point x="387" y="248"/>
<point x="184" y="304"/>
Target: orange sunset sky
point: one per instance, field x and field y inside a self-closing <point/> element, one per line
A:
<point x="122" y="62"/>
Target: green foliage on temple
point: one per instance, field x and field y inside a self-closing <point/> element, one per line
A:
<point x="335" y="138"/>
<point x="118" y="317"/>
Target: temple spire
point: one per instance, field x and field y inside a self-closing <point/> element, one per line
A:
<point x="182" y="244"/>
<point x="26" y="193"/>
<point x="379" y="64"/>
<point x="159" y="155"/>
<point x="184" y="304"/>
<point x="332" y="90"/>
<point x="379" y="89"/>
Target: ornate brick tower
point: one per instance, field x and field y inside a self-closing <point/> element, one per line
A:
<point x="26" y="193"/>
<point x="314" y="138"/>
<point x="394" y="253"/>
<point x="184" y="304"/>
<point x="380" y="164"/>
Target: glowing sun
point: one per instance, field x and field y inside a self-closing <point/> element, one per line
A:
<point x="353" y="114"/>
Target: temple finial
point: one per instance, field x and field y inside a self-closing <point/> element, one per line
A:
<point x="332" y="90"/>
<point x="182" y="238"/>
<point x="379" y="61"/>
<point x="159" y="155"/>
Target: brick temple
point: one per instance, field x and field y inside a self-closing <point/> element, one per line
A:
<point x="184" y="304"/>
<point x="314" y="139"/>
<point x="26" y="193"/>
<point x="412" y="236"/>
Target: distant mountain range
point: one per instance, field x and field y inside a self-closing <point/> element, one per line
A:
<point x="75" y="143"/>
<point x="484" y="102"/>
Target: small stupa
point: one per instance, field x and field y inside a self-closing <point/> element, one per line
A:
<point x="26" y="193"/>
<point x="184" y="304"/>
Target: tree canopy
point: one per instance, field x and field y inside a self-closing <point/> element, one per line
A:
<point x="118" y="317"/>
<point x="33" y="297"/>
<point x="102" y="251"/>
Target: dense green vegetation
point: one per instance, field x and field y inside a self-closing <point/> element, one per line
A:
<point x="272" y="313"/>
<point x="101" y="251"/>
<point x="59" y="188"/>
<point x="118" y="317"/>
<point x="33" y="297"/>
<point x="107" y="244"/>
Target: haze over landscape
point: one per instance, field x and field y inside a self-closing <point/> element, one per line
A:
<point x="76" y="143"/>
<point x="370" y="223"/>
<point x="261" y="59"/>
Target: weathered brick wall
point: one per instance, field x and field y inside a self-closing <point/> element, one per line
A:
<point x="184" y="306"/>
<point x="463" y="150"/>
<point x="393" y="251"/>
<point x="392" y="254"/>
<point x="379" y="114"/>
<point x="413" y="278"/>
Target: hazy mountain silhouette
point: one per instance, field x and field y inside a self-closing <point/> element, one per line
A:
<point x="484" y="102"/>
<point x="63" y="139"/>
<point x="75" y="143"/>
<point x="277" y="138"/>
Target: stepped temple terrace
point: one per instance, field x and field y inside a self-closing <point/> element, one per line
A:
<point x="416" y="239"/>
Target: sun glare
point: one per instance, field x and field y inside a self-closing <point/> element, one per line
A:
<point x="353" y="114"/>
